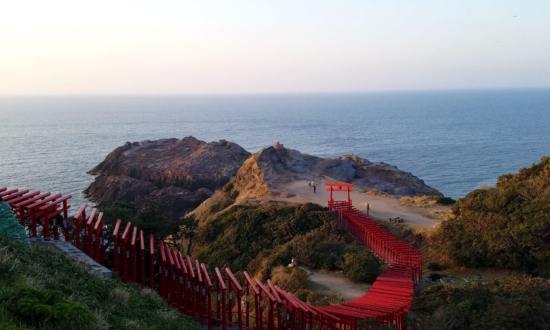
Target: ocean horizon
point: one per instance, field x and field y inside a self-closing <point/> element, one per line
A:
<point x="455" y="140"/>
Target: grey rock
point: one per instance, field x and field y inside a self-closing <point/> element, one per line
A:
<point x="179" y="174"/>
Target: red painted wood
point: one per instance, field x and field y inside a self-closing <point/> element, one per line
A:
<point x="188" y="284"/>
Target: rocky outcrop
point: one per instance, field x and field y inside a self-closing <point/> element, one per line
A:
<point x="256" y="177"/>
<point x="264" y="172"/>
<point x="249" y="180"/>
<point x="118" y="188"/>
<point x="392" y="181"/>
<point x="337" y="169"/>
<point x="179" y="174"/>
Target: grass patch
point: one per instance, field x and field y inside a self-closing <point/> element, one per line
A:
<point x="426" y="201"/>
<point x="42" y="288"/>
<point x="375" y="192"/>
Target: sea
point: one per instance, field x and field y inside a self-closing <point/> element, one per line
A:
<point x="454" y="140"/>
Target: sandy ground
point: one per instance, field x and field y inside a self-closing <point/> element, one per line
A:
<point x="382" y="208"/>
<point x="337" y="283"/>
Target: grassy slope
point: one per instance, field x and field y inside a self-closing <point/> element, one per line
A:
<point x="504" y="230"/>
<point x="258" y="237"/>
<point x="520" y="303"/>
<point x="113" y="304"/>
<point x="506" y="226"/>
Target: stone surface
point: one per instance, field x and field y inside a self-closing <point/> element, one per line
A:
<point x="79" y="256"/>
<point x="179" y="174"/>
<point x="261" y="174"/>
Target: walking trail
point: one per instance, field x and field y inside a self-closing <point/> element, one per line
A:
<point x="337" y="283"/>
<point x="382" y="208"/>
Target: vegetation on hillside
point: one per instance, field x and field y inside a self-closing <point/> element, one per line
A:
<point x="258" y="237"/>
<point x="41" y="288"/>
<point x="9" y="225"/>
<point x="506" y="226"/>
<point x="374" y="192"/>
<point x="521" y="303"/>
<point x="426" y="201"/>
<point x="152" y="220"/>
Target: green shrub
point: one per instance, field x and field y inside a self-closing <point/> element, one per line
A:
<point x="46" y="286"/>
<point x="10" y="226"/>
<point x="283" y="277"/>
<point x="359" y="267"/>
<point x="303" y="294"/>
<point x="48" y="308"/>
<point x="299" y="275"/>
<point x="445" y="201"/>
<point x="318" y="298"/>
<point x="375" y="192"/>
<point x="7" y="322"/>
<point x="259" y="237"/>
<point x="505" y="226"/>
<point x="520" y="303"/>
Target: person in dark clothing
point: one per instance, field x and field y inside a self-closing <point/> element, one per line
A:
<point x="314" y="188"/>
<point x="61" y="221"/>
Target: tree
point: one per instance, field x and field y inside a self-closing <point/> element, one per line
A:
<point x="187" y="231"/>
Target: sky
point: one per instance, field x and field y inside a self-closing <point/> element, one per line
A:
<point x="285" y="46"/>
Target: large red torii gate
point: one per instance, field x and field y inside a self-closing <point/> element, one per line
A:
<point x="338" y="187"/>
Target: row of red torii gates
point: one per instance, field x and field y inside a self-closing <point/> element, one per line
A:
<point x="218" y="297"/>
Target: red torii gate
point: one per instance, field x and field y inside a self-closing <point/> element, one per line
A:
<point x="338" y="187"/>
<point x="36" y="205"/>
<point x="387" y="302"/>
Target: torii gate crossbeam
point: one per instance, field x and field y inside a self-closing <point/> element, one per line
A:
<point x="339" y="187"/>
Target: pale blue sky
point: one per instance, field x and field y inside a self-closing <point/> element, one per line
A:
<point x="202" y="46"/>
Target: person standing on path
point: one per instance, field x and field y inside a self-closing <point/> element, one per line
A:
<point x="314" y="188"/>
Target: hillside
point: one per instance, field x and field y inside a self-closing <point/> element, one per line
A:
<point x="258" y="237"/>
<point x="41" y="288"/>
<point x="518" y="303"/>
<point x="262" y="237"/>
<point x="507" y="226"/>
<point x="489" y="259"/>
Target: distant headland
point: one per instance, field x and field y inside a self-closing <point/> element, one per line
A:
<point x="181" y="174"/>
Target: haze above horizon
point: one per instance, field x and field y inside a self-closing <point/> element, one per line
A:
<point x="202" y="47"/>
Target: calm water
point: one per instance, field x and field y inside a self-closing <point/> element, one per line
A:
<point x="453" y="140"/>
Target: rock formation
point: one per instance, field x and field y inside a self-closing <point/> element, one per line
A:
<point x="262" y="174"/>
<point x="181" y="174"/>
<point x="177" y="173"/>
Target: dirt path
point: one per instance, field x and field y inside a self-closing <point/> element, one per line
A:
<point x="382" y="208"/>
<point x="338" y="284"/>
